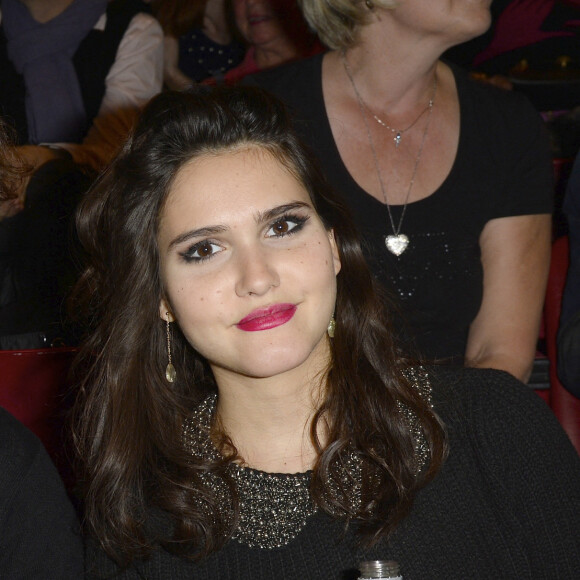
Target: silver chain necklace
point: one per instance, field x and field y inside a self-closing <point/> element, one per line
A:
<point x="396" y="242"/>
<point x="399" y="132"/>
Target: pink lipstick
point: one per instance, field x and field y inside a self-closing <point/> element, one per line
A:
<point x="266" y="318"/>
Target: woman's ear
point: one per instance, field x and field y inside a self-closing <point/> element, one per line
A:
<point x="335" y="253"/>
<point x="165" y="311"/>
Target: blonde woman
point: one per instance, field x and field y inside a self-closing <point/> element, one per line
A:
<point x="448" y="181"/>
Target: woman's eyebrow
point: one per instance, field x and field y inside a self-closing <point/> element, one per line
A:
<point x="261" y="217"/>
<point x="275" y="212"/>
<point x="198" y="233"/>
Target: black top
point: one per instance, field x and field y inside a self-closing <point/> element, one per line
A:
<point x="506" y="504"/>
<point x="502" y="168"/>
<point x="39" y="536"/>
<point x="201" y="58"/>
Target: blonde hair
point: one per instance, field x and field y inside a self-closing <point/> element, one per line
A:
<point x="337" y="22"/>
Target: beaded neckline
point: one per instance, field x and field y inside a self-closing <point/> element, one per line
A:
<point x="275" y="507"/>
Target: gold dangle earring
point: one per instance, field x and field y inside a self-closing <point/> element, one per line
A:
<point x="170" y="373"/>
<point x="331" y="327"/>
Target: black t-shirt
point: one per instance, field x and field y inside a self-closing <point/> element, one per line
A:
<point x="502" y="168"/>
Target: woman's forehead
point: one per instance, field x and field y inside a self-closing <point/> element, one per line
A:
<point x="224" y="186"/>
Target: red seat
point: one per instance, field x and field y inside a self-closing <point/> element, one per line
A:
<point x="33" y="386"/>
<point x="565" y="406"/>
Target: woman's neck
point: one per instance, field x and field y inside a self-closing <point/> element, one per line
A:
<point x="390" y="71"/>
<point x="279" y="52"/>
<point x="215" y="24"/>
<point x="269" y="422"/>
<point x="45" y="10"/>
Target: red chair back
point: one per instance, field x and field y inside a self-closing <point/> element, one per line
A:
<point x="33" y="385"/>
<point x="565" y="406"/>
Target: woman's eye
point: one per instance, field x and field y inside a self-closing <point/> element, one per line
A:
<point x="201" y="251"/>
<point x="285" y="226"/>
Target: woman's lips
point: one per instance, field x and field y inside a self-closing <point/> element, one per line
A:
<point x="266" y="318"/>
<point x="259" y="18"/>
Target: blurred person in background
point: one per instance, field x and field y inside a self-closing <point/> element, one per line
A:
<point x="199" y="40"/>
<point x="38" y="265"/>
<point x="449" y="180"/>
<point x="75" y="73"/>
<point x="39" y="531"/>
<point x="274" y="31"/>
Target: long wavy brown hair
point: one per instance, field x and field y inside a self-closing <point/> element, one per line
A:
<point x="129" y="419"/>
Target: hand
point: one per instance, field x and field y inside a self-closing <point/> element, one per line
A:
<point x="520" y="25"/>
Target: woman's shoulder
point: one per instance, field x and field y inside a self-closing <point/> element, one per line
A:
<point x="131" y="18"/>
<point x="26" y="471"/>
<point x="490" y="102"/>
<point x="23" y="461"/>
<point x="492" y="408"/>
<point x="18" y="445"/>
<point x="479" y="388"/>
<point x="468" y="398"/>
<point x="38" y="525"/>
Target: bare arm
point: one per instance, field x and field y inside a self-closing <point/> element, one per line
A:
<point x="515" y="253"/>
<point x="172" y="75"/>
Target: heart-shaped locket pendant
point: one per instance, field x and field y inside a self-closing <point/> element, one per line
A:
<point x="397" y="244"/>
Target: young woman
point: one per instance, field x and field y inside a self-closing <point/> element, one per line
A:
<point x="246" y="413"/>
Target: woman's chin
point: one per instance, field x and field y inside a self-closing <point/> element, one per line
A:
<point x="275" y="362"/>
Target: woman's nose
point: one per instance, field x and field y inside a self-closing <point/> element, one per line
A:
<point x="256" y="273"/>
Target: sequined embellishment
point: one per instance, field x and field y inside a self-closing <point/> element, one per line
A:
<point x="419" y="379"/>
<point x="274" y="507"/>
